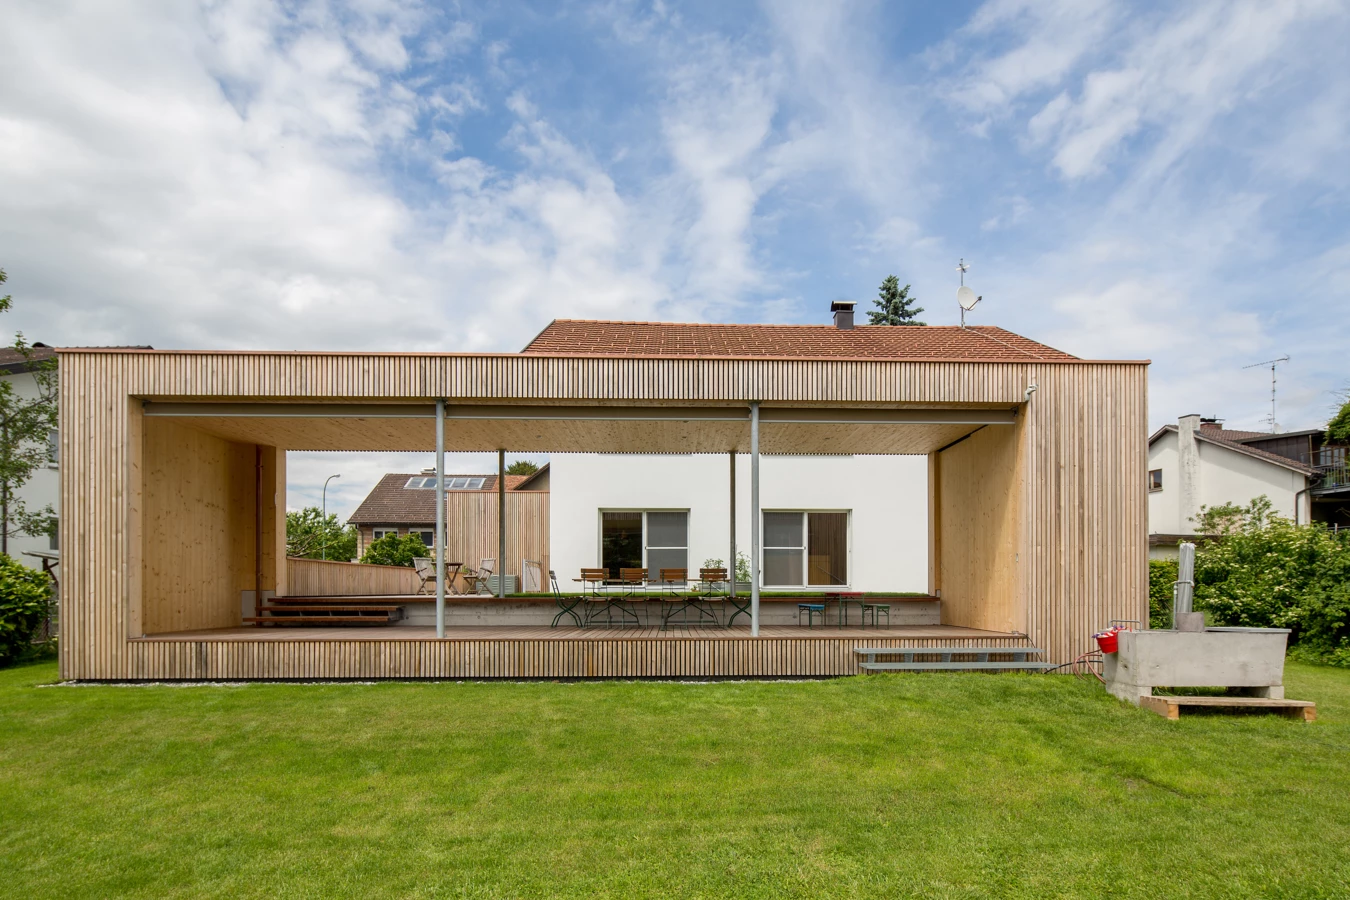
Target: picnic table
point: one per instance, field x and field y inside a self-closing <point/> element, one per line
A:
<point x="843" y="599"/>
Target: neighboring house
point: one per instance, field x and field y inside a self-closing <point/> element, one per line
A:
<point x="847" y="522"/>
<point x="1198" y="463"/>
<point x="405" y="503"/>
<point x="43" y="487"/>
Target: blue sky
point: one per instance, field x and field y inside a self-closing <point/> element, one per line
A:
<point x="1129" y="180"/>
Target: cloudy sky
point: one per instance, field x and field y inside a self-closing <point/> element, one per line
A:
<point x="1134" y="180"/>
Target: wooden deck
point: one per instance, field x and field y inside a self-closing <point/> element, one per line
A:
<point x="406" y="652"/>
<point x="594" y="633"/>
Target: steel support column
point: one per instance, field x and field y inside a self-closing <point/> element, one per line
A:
<point x="501" y="524"/>
<point x="440" y="518"/>
<point x="731" y="560"/>
<point x="754" y="519"/>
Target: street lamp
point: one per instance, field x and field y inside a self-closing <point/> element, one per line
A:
<point x="324" y="554"/>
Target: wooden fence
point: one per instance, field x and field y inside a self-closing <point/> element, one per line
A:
<point x="326" y="578"/>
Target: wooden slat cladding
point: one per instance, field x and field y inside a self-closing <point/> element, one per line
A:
<point x="327" y="376"/>
<point x="1085" y="514"/>
<point x="1083" y="553"/>
<point x="471" y="528"/>
<point x="618" y="657"/>
<point x="328" y="578"/>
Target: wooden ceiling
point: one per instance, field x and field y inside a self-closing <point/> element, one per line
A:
<point x="607" y="429"/>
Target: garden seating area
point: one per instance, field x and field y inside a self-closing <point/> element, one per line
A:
<point x="704" y="601"/>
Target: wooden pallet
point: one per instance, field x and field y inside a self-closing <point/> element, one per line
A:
<point x="1170" y="707"/>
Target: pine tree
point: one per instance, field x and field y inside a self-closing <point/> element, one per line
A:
<point x="894" y="305"/>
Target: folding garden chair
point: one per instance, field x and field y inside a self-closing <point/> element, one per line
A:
<point x="567" y="606"/>
<point x="478" y="580"/>
<point x="426" y="571"/>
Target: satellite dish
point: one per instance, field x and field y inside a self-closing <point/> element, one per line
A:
<point x="966" y="297"/>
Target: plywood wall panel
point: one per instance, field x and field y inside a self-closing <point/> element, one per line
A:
<point x="980" y="497"/>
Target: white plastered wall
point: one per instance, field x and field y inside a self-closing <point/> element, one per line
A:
<point x="887" y="496"/>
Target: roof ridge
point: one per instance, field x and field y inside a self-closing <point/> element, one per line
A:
<point x="761" y="325"/>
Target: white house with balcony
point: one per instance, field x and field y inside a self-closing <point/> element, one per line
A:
<point x="1197" y="463"/>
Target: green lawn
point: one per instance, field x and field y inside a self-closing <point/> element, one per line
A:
<point x="931" y="785"/>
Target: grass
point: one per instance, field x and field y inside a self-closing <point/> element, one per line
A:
<point x="935" y="785"/>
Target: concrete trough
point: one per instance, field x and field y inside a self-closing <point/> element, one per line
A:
<point x="1248" y="658"/>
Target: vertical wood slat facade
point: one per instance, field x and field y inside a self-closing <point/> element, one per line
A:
<point x="617" y="657"/>
<point x="1082" y="550"/>
<point x="471" y="528"/>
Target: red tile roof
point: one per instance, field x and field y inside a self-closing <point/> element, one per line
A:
<point x="390" y="502"/>
<point x="12" y="361"/>
<point x="576" y="337"/>
<point x="1228" y="434"/>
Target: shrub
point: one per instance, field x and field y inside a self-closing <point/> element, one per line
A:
<point x="1162" y="574"/>
<point x="1267" y="572"/>
<point x="396" y="550"/>
<point x="25" y="598"/>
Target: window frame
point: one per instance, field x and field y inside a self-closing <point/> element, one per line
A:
<point x="53" y="448"/>
<point x="806" y="551"/>
<point x="1155" y="488"/>
<point x="646" y="531"/>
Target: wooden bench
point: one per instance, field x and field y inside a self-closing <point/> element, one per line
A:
<point x="980" y="660"/>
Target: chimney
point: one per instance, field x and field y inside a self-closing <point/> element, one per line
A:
<point x="1188" y="472"/>
<point x="843" y="314"/>
<point x="1211" y="425"/>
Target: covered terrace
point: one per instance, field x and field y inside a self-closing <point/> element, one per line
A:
<point x="174" y="498"/>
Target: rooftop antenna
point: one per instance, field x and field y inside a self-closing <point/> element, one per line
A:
<point x="965" y="297"/>
<point x="1274" y="427"/>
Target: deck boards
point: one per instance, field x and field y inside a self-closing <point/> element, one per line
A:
<point x="544" y="633"/>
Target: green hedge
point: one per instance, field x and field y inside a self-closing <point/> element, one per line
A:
<point x="1162" y="574"/>
<point x="25" y="598"/>
<point x="1266" y="572"/>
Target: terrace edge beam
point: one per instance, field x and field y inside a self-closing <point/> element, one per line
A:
<point x="1081" y="541"/>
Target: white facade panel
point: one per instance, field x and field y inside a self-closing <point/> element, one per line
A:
<point x="886" y="497"/>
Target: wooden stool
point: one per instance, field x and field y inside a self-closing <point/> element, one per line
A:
<point x="877" y="608"/>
